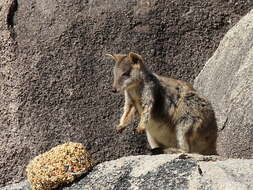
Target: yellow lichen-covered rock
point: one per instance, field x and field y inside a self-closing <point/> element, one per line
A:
<point x="61" y="165"/>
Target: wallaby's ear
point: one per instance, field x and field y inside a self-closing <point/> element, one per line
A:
<point x="135" y="58"/>
<point x="115" y="58"/>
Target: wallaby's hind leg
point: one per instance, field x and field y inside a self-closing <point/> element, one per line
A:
<point x="204" y="138"/>
<point x="184" y="130"/>
<point x="194" y="137"/>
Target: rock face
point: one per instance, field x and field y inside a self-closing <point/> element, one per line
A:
<point x="55" y="85"/>
<point x="227" y="80"/>
<point x="165" y="172"/>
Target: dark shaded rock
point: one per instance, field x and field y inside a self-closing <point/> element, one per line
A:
<point x="227" y="80"/>
<point x="55" y="83"/>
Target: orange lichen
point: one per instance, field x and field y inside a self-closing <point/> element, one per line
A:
<point x="61" y="165"/>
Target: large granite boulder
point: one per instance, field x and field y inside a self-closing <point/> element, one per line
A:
<point x="227" y="80"/>
<point x="55" y="85"/>
<point x="179" y="172"/>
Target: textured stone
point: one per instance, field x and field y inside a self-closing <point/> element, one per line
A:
<point x="227" y="81"/>
<point x="24" y="185"/>
<point x="55" y="85"/>
<point x="180" y="172"/>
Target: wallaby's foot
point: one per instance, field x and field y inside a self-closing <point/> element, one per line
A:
<point x="120" y="128"/>
<point x="156" y="151"/>
<point x="173" y="151"/>
<point x="140" y="130"/>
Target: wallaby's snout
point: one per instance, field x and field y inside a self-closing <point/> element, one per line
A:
<point x="114" y="89"/>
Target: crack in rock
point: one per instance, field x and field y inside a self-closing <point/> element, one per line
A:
<point x="10" y="18"/>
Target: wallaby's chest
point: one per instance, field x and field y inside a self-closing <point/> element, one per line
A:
<point x="135" y="96"/>
<point x="162" y="133"/>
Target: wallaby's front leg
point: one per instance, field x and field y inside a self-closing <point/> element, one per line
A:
<point x="144" y="118"/>
<point x="126" y="118"/>
<point x="128" y="114"/>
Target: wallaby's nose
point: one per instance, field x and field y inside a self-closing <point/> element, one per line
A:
<point x="114" y="90"/>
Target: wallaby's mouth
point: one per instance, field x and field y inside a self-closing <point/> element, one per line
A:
<point x="114" y="90"/>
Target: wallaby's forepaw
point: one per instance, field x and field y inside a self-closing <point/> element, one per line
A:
<point x="120" y="128"/>
<point x="140" y="130"/>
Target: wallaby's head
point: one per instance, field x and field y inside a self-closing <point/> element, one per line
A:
<point x="126" y="71"/>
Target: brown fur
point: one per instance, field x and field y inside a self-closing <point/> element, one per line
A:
<point x="175" y="117"/>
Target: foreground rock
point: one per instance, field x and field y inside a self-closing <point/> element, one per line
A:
<point x="24" y="185"/>
<point x="227" y="81"/>
<point x="55" y="86"/>
<point x="166" y="172"/>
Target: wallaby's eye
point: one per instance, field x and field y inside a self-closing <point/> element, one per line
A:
<point x="127" y="73"/>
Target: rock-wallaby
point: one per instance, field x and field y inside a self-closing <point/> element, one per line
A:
<point x="175" y="117"/>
